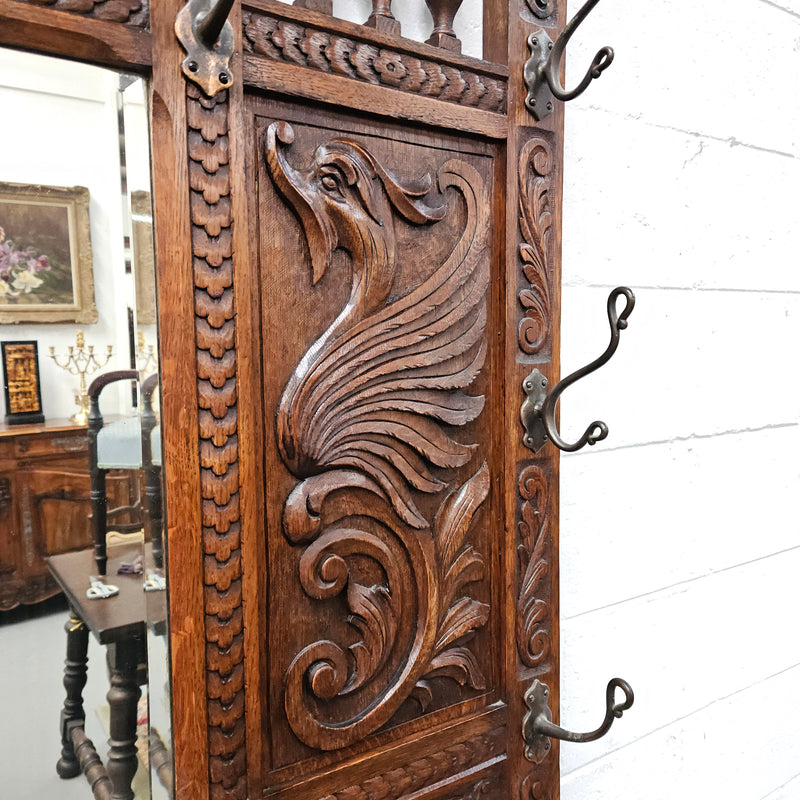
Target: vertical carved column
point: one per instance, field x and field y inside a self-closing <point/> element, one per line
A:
<point x="532" y="262"/>
<point x="212" y="250"/>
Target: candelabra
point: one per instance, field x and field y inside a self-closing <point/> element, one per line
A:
<point x="80" y="360"/>
<point x="146" y="356"/>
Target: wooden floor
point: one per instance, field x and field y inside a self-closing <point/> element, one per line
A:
<point x="32" y="643"/>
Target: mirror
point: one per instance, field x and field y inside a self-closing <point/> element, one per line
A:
<point x="77" y="301"/>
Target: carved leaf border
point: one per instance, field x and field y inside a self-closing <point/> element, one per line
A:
<point x="536" y="227"/>
<point x="533" y="633"/>
<point x="215" y="320"/>
<point x="328" y="51"/>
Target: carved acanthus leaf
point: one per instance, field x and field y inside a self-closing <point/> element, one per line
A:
<point x="459" y="564"/>
<point x="533" y="636"/>
<point x="535" y="223"/>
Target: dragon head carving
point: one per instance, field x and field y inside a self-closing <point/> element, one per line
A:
<point x="345" y="199"/>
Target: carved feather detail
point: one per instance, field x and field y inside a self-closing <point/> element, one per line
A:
<point x="370" y="395"/>
<point x="370" y="409"/>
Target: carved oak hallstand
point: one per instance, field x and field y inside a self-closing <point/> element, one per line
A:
<point x="358" y="246"/>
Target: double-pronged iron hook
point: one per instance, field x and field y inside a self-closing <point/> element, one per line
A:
<point x="538" y="727"/>
<point x="538" y="412"/>
<point x="204" y="32"/>
<point x="542" y="69"/>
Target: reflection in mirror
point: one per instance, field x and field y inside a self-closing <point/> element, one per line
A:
<point x="80" y="481"/>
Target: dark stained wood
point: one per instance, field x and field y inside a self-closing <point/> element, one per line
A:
<point x="357" y="604"/>
<point x="444" y="14"/>
<point x="91" y="765"/>
<point x="44" y="504"/>
<point x="29" y="26"/>
<point x="116" y="618"/>
<point x="179" y="426"/>
<point x="123" y="698"/>
<point x="382" y="18"/>
<point x="73" y="714"/>
<point x="278" y="77"/>
<point x="532" y="324"/>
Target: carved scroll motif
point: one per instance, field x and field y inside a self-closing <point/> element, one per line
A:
<point x="280" y="40"/>
<point x="212" y="246"/>
<point x="535" y="223"/>
<point x="364" y="413"/>
<point x="533" y="633"/>
<point x="133" y="12"/>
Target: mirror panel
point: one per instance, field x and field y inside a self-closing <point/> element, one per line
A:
<point x="77" y="289"/>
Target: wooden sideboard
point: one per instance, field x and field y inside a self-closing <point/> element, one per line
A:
<point x="44" y="504"/>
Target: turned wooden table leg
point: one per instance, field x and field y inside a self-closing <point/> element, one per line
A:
<point x="74" y="680"/>
<point x="123" y="699"/>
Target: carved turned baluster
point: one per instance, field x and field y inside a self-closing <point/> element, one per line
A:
<point x="382" y="18"/>
<point x="443" y="13"/>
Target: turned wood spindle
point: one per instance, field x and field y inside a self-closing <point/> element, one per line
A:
<point x="382" y="18"/>
<point x="444" y="13"/>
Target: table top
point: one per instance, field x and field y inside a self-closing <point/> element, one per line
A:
<point x="31" y="429"/>
<point x="114" y="618"/>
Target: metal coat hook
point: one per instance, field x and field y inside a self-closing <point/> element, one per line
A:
<point x="207" y="37"/>
<point x="538" y="727"/>
<point x="542" y="69"/>
<point x="538" y="412"/>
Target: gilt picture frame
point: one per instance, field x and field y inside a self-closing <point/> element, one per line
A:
<point x="21" y="383"/>
<point x="45" y="254"/>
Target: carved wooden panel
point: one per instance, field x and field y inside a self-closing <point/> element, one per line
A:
<point x="375" y="254"/>
<point x="132" y="12"/>
<point x="372" y="59"/>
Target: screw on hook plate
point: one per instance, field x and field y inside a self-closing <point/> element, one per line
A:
<point x="541" y="71"/>
<point x="538" y="727"/>
<point x="538" y="411"/>
<point x="207" y="37"/>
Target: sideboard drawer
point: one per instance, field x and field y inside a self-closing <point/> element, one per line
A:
<point x="58" y="444"/>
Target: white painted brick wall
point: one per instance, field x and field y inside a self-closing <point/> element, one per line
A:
<point x="680" y="535"/>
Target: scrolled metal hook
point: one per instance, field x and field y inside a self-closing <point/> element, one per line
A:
<point x="542" y="70"/>
<point x="538" y="727"/>
<point x="538" y="412"/>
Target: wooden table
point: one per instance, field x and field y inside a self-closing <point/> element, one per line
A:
<point x="120" y="623"/>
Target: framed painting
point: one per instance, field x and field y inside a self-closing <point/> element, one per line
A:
<point x="45" y="254"/>
<point x="23" y="390"/>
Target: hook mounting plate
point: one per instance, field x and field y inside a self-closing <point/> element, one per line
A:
<point x="539" y="100"/>
<point x="535" y="388"/>
<point x="207" y="66"/>
<point x="537" y="745"/>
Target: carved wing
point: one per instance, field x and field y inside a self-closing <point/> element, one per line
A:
<point x="378" y="397"/>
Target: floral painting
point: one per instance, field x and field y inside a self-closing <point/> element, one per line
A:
<point x="45" y="254"/>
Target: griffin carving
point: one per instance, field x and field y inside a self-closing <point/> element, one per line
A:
<point x="366" y="409"/>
